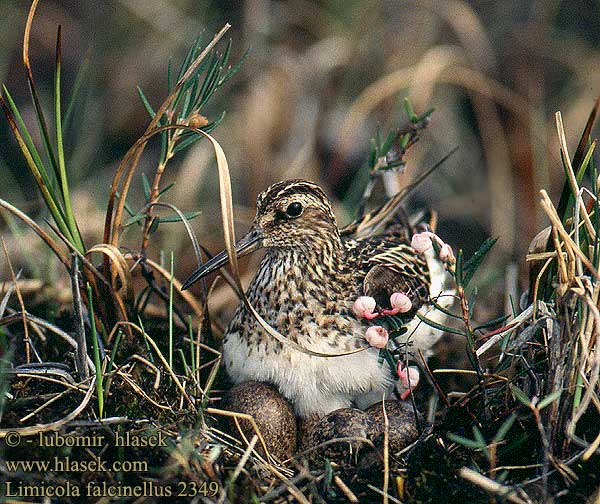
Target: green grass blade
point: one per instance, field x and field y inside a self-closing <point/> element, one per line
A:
<point x="64" y="181"/>
<point x="146" y="186"/>
<point x="445" y="310"/>
<point x="468" y="443"/>
<point x="520" y="395"/>
<point x="550" y="398"/>
<point x="177" y="218"/>
<point x="470" y="267"/>
<point x="43" y="127"/>
<point x="235" y="68"/>
<point x="113" y="353"/>
<point x="52" y="205"/>
<point x="504" y="428"/>
<point x="96" y="349"/>
<point x="27" y="138"/>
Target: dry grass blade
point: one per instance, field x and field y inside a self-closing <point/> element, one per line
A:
<point x="345" y="490"/>
<point x="243" y="460"/>
<point x="567" y="240"/>
<point x="21" y="303"/>
<point x="122" y="270"/>
<point x="243" y="416"/>
<point x="167" y="367"/>
<point x="39" y="231"/>
<point x="571" y="176"/>
<point x="491" y="486"/>
<point x="90" y="268"/>
<point x="27" y="33"/>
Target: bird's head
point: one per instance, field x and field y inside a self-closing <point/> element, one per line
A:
<point x="290" y="215"/>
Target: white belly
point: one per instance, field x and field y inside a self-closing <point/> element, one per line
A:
<point x="314" y="385"/>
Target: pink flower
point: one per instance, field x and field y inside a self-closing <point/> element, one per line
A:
<point x="409" y="379"/>
<point x="446" y="253"/>
<point x="364" y="307"/>
<point x="377" y="336"/>
<point x="400" y="303"/>
<point x="421" y="242"/>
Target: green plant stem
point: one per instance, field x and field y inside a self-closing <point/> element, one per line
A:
<point x="96" y="348"/>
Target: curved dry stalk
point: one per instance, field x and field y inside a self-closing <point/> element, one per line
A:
<point x="467" y="26"/>
<point x="39" y="231"/>
<point x="571" y="176"/>
<point x="186" y="224"/>
<point x="21" y="303"/>
<point x="136" y="388"/>
<point x="150" y="366"/>
<point x="249" y="418"/>
<point x="122" y="269"/>
<point x="27" y="34"/>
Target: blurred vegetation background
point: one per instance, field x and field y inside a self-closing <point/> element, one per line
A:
<point x="320" y="78"/>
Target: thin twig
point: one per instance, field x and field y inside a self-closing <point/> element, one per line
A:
<point x="21" y="303"/>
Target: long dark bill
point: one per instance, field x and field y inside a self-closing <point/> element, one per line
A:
<point x="249" y="243"/>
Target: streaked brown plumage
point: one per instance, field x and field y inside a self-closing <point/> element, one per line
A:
<point x="305" y="287"/>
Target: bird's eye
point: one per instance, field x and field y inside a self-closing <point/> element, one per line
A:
<point x="294" y="210"/>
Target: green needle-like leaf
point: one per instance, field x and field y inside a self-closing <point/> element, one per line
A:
<point x="64" y="181"/>
<point x="504" y="428"/>
<point x="145" y="102"/>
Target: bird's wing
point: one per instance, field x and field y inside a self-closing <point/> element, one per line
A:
<point x="385" y="219"/>
<point x="393" y="266"/>
<point x="379" y="221"/>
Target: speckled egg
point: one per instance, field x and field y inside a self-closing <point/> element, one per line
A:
<point x="272" y="413"/>
<point x="402" y="424"/>
<point x="318" y="437"/>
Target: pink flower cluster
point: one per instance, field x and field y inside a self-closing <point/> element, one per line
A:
<point x="423" y="242"/>
<point x="377" y="336"/>
<point x="365" y="307"/>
